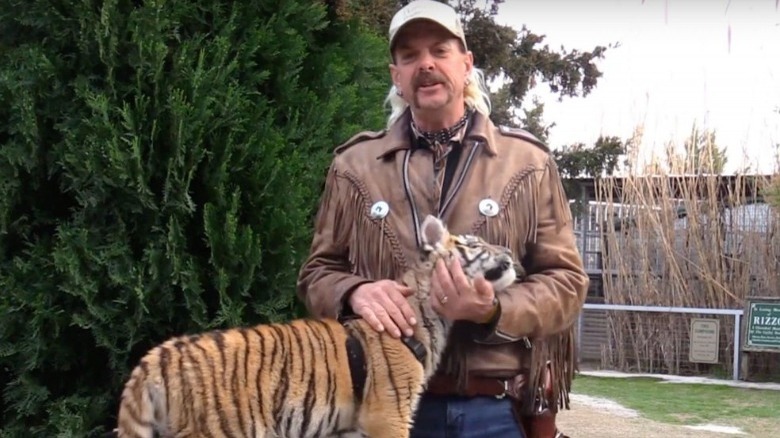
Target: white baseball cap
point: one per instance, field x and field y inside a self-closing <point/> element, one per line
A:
<point x="440" y="13"/>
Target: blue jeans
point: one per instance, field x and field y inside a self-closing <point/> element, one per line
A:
<point x="462" y="417"/>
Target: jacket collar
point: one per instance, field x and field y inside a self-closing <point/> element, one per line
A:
<point x="399" y="134"/>
<point x="482" y="132"/>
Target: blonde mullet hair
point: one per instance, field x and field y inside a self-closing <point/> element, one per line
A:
<point x="476" y="94"/>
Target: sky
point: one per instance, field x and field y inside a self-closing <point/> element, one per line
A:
<point x="715" y="63"/>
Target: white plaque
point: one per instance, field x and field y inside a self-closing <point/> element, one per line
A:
<point x="704" y="340"/>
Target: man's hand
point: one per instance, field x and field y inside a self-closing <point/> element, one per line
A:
<point x="383" y="305"/>
<point x="455" y="298"/>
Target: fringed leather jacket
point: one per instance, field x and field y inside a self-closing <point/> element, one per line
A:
<point x="505" y="188"/>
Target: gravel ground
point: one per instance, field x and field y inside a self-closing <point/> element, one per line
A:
<point x="591" y="418"/>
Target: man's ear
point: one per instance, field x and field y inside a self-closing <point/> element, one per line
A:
<point x="469" y="62"/>
<point x="395" y="75"/>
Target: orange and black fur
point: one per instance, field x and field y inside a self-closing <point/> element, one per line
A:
<point x="293" y="380"/>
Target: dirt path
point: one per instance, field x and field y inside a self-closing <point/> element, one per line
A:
<point x="588" y="418"/>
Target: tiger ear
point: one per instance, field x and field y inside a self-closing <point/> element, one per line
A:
<point x="434" y="232"/>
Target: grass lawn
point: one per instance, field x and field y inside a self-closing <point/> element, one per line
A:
<point x="755" y="411"/>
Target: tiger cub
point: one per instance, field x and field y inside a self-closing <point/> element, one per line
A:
<point x="295" y="380"/>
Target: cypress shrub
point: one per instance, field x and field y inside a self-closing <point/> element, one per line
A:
<point x="160" y="167"/>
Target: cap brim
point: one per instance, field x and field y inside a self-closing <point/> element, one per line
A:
<point x="403" y="27"/>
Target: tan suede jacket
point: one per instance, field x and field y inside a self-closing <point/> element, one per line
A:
<point x="506" y="188"/>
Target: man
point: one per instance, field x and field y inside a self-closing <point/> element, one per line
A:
<point x="440" y="154"/>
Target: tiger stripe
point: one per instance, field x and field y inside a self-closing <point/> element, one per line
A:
<point x="293" y="379"/>
<point x="308" y="401"/>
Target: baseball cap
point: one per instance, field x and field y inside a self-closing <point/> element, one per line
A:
<point x="440" y="13"/>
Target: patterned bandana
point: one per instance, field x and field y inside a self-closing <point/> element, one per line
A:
<point x="443" y="136"/>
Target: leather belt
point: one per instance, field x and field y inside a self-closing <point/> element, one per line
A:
<point x="441" y="384"/>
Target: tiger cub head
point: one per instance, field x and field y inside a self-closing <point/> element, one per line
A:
<point x="477" y="257"/>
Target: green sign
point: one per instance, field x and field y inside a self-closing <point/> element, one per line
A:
<point x="762" y="324"/>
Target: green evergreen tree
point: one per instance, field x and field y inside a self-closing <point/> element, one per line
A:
<point x="160" y="164"/>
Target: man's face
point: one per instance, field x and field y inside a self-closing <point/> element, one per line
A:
<point x="430" y="67"/>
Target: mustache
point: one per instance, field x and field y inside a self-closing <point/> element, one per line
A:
<point x="428" y="78"/>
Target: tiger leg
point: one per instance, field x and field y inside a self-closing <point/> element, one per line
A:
<point x="394" y="383"/>
<point x="396" y="427"/>
<point x="389" y="411"/>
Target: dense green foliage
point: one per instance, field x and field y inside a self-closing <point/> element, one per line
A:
<point x="159" y="167"/>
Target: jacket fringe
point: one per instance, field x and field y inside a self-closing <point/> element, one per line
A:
<point x="559" y="351"/>
<point x="518" y="212"/>
<point x="359" y="233"/>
